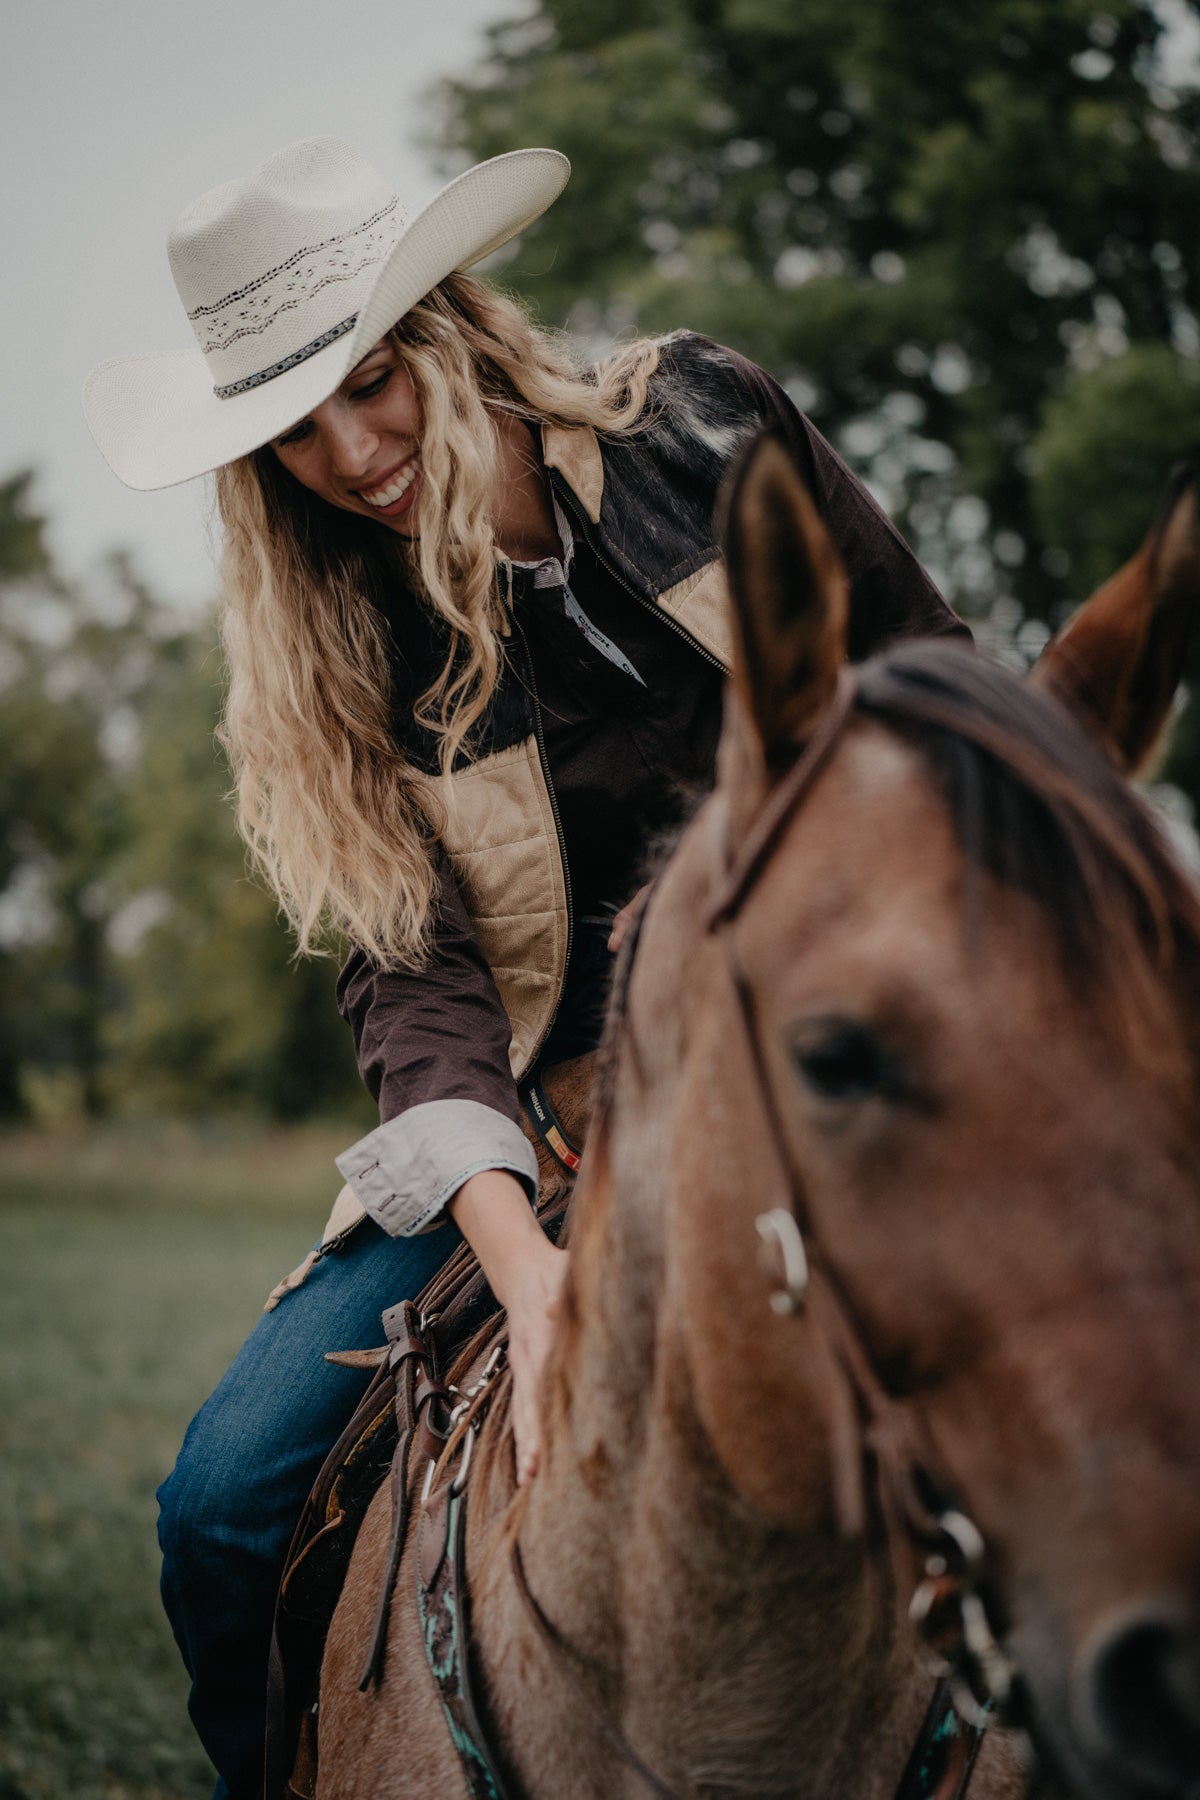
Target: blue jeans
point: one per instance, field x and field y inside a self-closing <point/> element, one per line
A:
<point x="251" y="1454"/>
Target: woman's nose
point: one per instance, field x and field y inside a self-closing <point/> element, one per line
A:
<point x="349" y="442"/>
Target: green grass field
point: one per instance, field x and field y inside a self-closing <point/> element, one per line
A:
<point x="133" y="1265"/>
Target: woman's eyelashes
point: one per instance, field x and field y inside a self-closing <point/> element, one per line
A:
<point x="295" y="436"/>
<point x="368" y="391"/>
<point x="375" y="386"/>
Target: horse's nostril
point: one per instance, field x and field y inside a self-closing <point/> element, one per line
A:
<point x="1139" y="1695"/>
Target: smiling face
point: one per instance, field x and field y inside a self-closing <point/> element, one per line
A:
<point x="360" y="449"/>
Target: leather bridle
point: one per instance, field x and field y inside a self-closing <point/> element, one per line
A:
<point x="866" y="1420"/>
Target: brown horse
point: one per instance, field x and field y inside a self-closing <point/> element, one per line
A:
<point x="919" y="981"/>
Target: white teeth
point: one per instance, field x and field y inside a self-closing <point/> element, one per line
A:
<point x="387" y="496"/>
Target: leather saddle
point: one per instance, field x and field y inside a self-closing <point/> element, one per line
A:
<point x="401" y="1423"/>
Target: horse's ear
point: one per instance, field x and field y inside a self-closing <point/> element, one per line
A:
<point x="789" y="600"/>
<point x="1117" y="663"/>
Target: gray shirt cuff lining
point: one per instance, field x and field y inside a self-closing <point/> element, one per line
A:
<point x="406" y="1171"/>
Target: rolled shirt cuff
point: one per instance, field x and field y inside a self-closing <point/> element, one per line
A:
<point x="406" y="1171"/>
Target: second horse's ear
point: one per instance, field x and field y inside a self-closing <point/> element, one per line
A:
<point x="789" y="595"/>
<point x="1117" y="663"/>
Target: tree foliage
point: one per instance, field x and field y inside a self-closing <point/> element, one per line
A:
<point x="964" y="237"/>
<point x="139" y="967"/>
<point x="217" y="1013"/>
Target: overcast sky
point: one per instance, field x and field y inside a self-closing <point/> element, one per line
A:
<point x="115" y="116"/>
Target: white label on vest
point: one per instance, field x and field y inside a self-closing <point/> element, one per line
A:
<point x="596" y="637"/>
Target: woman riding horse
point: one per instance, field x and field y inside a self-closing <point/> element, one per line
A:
<point x="476" y="632"/>
<point x="885" y="1260"/>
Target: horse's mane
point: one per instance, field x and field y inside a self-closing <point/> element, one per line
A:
<point x="1036" y="803"/>
<point x="1039" y="805"/>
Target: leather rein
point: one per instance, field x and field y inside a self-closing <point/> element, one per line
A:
<point x="867" y="1421"/>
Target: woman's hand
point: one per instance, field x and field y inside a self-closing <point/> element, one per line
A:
<point x="532" y="1315"/>
<point x="525" y="1272"/>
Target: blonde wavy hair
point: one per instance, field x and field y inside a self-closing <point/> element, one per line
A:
<point x="338" y="820"/>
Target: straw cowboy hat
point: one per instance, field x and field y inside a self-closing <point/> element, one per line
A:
<point x="289" y="277"/>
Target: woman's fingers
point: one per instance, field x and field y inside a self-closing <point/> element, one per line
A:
<point x="528" y="1438"/>
<point x="525" y="1271"/>
<point x="532" y="1312"/>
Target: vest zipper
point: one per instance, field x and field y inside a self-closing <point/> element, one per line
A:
<point x="544" y="760"/>
<point x="650" y="606"/>
<point x="338" y="1239"/>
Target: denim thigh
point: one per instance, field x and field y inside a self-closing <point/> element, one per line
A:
<point x="248" y="1461"/>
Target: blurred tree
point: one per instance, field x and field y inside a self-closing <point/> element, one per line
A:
<point x="22" y="546"/>
<point x="1103" y="437"/>
<point x="138" y="965"/>
<point x="942" y="227"/>
<point x="218" y="1015"/>
<point x="1100" y="436"/>
<point x="22" y="557"/>
<point x="75" y="668"/>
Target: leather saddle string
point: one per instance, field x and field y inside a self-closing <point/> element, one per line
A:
<point x="418" y="1393"/>
<point x="372" y="1669"/>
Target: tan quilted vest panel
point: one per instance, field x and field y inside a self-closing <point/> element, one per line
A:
<point x="503" y="846"/>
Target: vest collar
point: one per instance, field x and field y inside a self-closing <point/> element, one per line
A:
<point x="574" y="452"/>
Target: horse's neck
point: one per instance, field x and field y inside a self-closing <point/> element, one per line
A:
<point x="731" y="1650"/>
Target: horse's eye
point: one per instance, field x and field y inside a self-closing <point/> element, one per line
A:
<point x="840" y="1060"/>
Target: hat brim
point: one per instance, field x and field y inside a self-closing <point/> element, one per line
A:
<point x="156" y="419"/>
